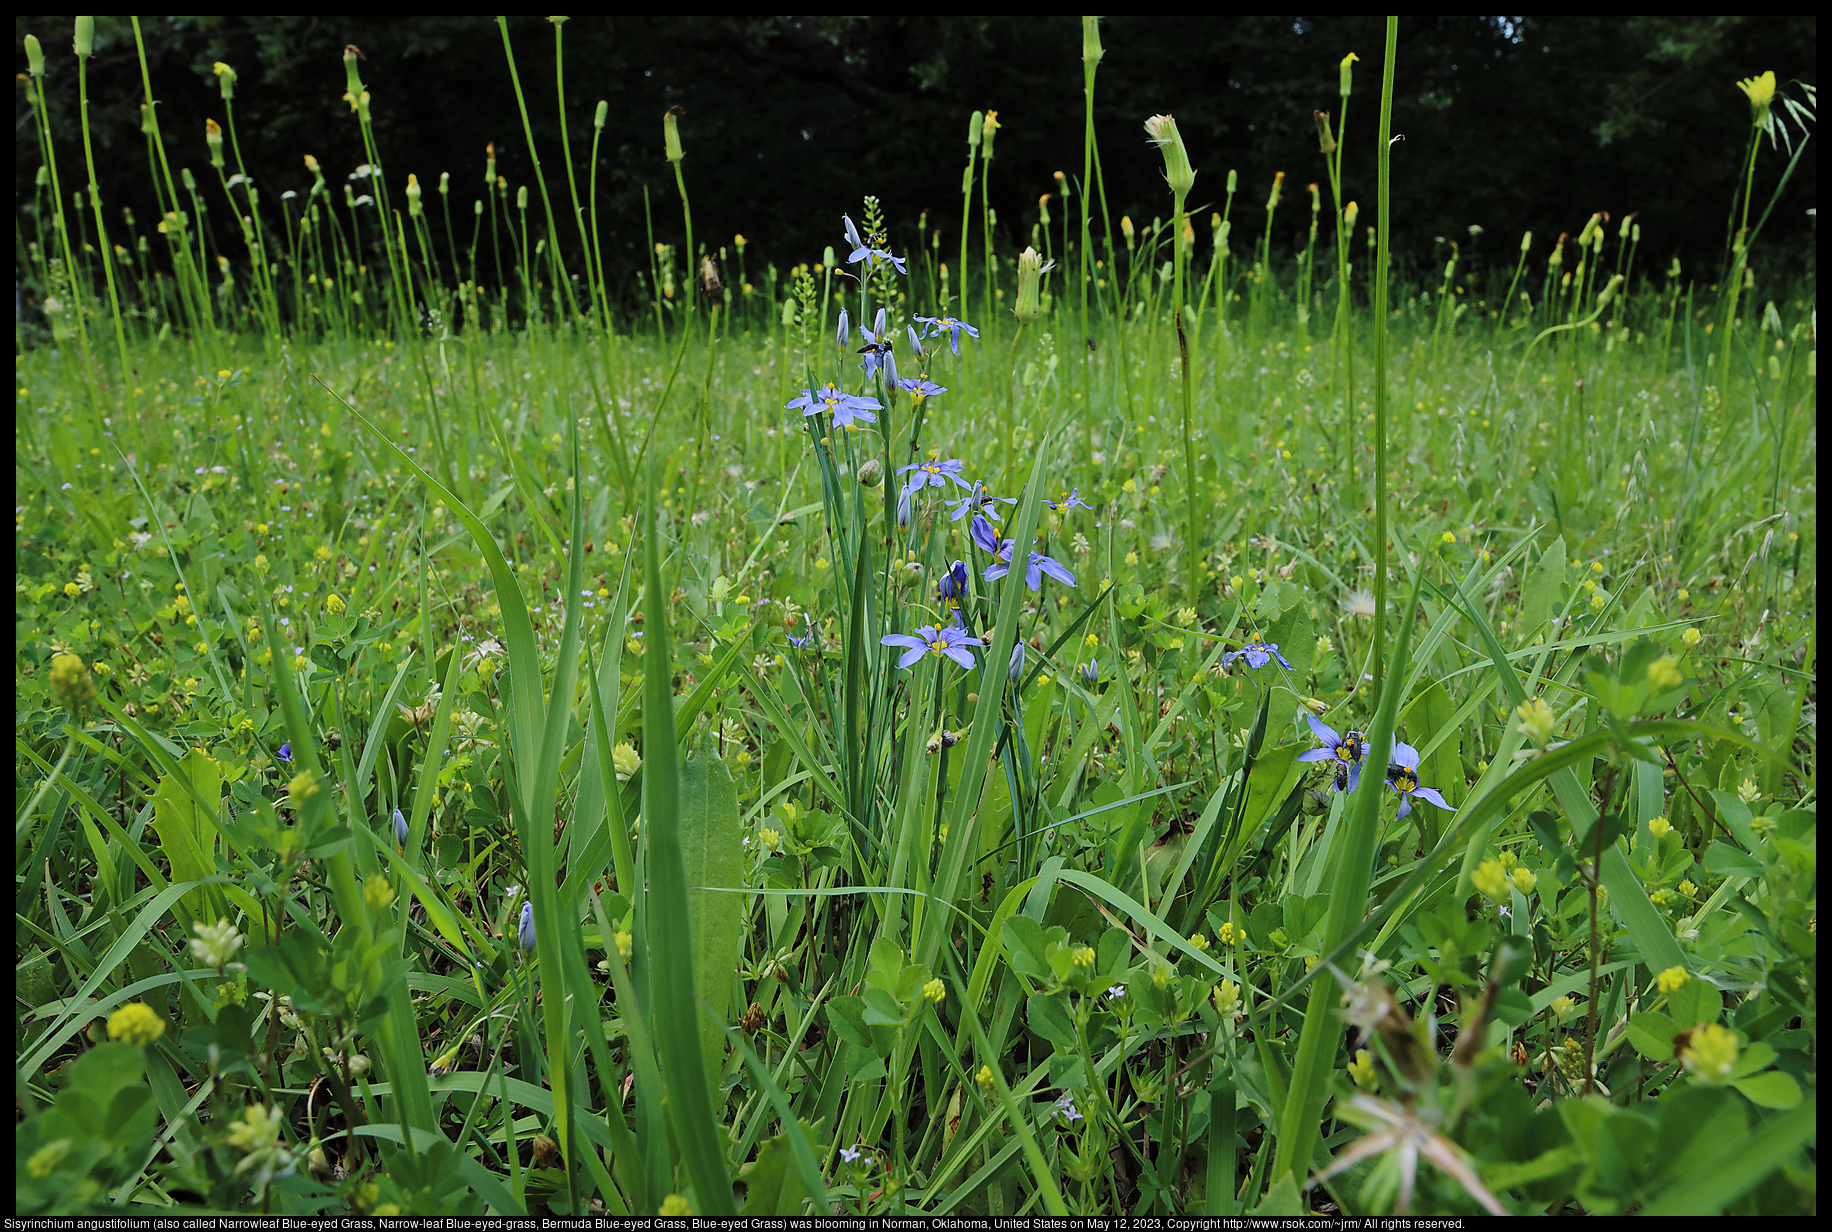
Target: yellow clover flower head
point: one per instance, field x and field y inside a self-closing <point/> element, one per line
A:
<point x="1490" y="880"/>
<point x="71" y="686"/>
<point x="1361" y="1069"/>
<point x="1711" y="1054"/>
<point x="1672" y="979"/>
<point x="377" y="893"/>
<point x="136" y="1024"/>
<point x="1663" y="673"/>
<point x="675" y="1206"/>
<point x="301" y="790"/>
<point x="1660" y="827"/>
<point x="984" y="1078"/>
<point x="1536" y="720"/>
<point x="934" y="991"/>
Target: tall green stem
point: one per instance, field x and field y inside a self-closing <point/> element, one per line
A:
<point x="1384" y="154"/>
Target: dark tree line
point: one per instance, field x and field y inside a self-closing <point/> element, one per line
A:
<point x="1510" y="124"/>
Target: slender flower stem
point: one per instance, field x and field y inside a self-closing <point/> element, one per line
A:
<point x="1380" y="361"/>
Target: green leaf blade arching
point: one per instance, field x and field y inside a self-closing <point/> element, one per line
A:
<point x="711" y="847"/>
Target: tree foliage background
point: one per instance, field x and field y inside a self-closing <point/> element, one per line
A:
<point x="1510" y="124"/>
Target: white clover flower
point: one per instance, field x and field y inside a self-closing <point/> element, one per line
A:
<point x="215" y="943"/>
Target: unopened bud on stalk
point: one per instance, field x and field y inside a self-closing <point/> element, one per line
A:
<point x="1627" y="222"/>
<point x="1030" y="274"/>
<point x="213" y="137"/>
<point x="190" y="181"/>
<point x="845" y="330"/>
<point x="1346" y="62"/>
<point x="353" y="79"/>
<point x="988" y="128"/>
<point x="975" y="125"/>
<point x="85" y="37"/>
<point x="521" y="198"/>
<point x="903" y="509"/>
<point x="1316" y="198"/>
<point x="671" y="136"/>
<point x="1278" y="185"/>
<point x="1014" y="671"/>
<point x="871" y="472"/>
<point x="445" y="183"/>
<point x="601" y="115"/>
<point x="1558" y="251"/>
<point x="413" y="195"/>
<point x="489" y="164"/>
<point x="1126" y="230"/>
<point x="1609" y="292"/>
<point x="34" y="56"/>
<point x="1590" y="229"/>
<point x="1233" y="182"/>
<point x="1043" y="209"/>
<point x="1526" y="242"/>
<point x="1325" y="139"/>
<point x="1161" y="130"/>
<point x="225" y="79"/>
<point x="1090" y="42"/>
<point x="1349" y="213"/>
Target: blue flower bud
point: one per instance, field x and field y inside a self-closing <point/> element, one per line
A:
<point x="845" y="328"/>
<point x="400" y="828"/>
<point x="525" y="932"/>
<point x="1090" y="673"/>
<point x="1016" y="670"/>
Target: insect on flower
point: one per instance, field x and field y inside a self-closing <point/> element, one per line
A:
<point x="1403" y="777"/>
<point x="1346" y="750"/>
<point x="861" y="251"/>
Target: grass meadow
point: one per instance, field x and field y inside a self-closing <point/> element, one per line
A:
<point x="489" y="740"/>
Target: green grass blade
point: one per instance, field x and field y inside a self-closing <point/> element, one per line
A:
<point x="670" y="928"/>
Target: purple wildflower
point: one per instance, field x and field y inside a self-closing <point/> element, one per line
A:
<point x="844" y="406"/>
<point x="932" y="472"/>
<point x="1403" y="777"/>
<point x="948" y="325"/>
<point x="928" y="640"/>
<point x="1345" y="750"/>
<point x="1258" y="655"/>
